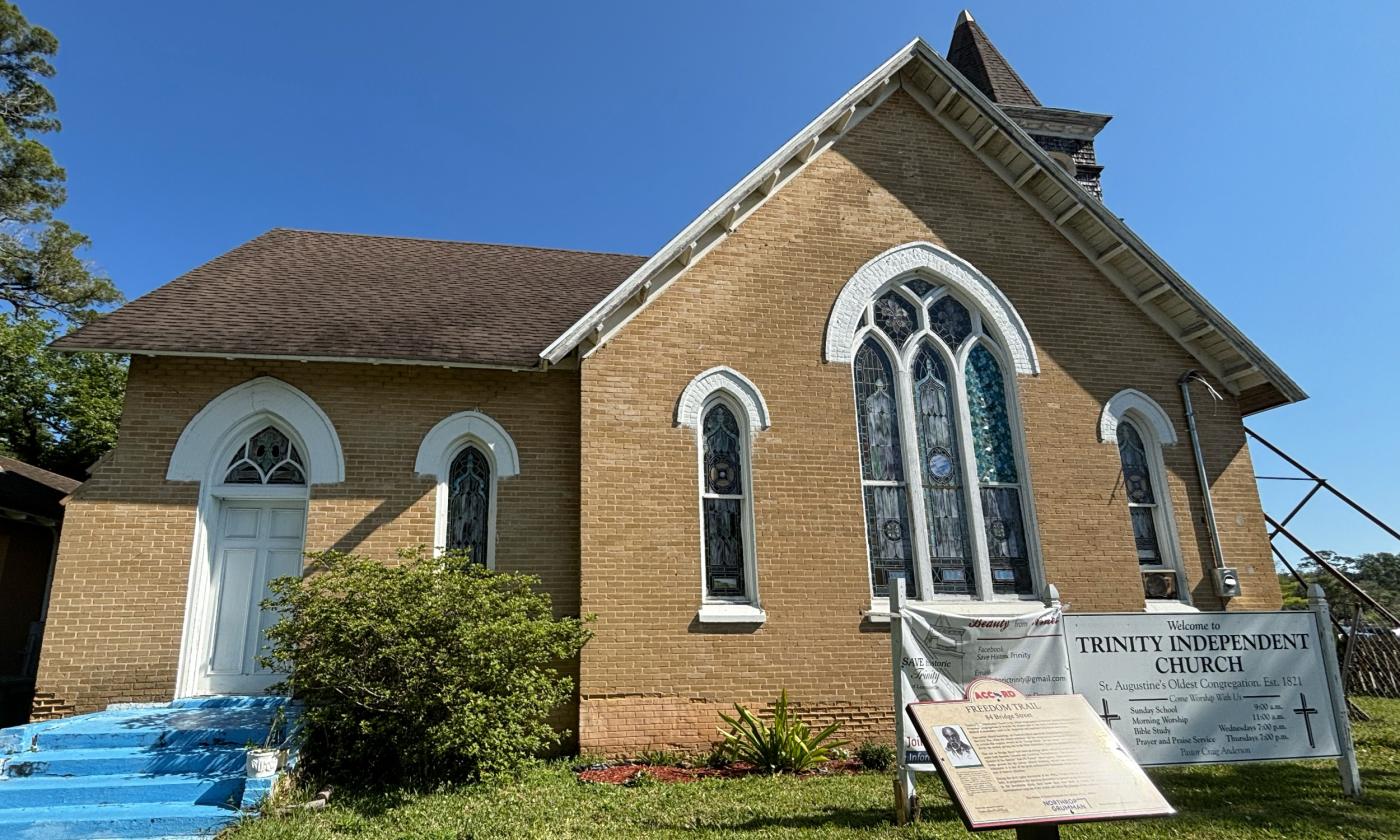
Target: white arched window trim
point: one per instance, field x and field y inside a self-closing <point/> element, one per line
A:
<point x="202" y="453"/>
<point x="443" y="443"/>
<point x="1155" y="428"/>
<point x="939" y="266"/>
<point x="746" y="403"/>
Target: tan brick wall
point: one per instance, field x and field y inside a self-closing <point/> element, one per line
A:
<point x="759" y="303"/>
<point x="120" y="585"/>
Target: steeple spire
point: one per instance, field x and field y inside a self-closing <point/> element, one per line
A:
<point x="1068" y="136"/>
<point x="976" y="57"/>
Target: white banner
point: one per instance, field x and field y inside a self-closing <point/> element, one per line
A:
<point x="943" y="652"/>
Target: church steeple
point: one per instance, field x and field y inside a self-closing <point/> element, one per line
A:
<point x="1067" y="135"/>
<point x="976" y="57"/>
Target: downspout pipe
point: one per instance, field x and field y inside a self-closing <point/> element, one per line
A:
<point x="1185" y="384"/>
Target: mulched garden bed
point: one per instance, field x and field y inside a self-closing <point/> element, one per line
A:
<point x="629" y="773"/>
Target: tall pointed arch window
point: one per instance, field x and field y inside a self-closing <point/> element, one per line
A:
<point x="940" y="463"/>
<point x="469" y="503"/>
<point x="725" y="504"/>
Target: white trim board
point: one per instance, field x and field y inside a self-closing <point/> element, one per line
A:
<point x="964" y="111"/>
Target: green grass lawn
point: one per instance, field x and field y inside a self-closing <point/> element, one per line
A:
<point x="1296" y="800"/>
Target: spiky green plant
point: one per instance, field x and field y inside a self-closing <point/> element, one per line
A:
<point x="786" y="745"/>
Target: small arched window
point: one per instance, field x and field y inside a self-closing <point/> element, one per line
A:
<point x="725" y="503"/>
<point x="469" y="503"/>
<point x="266" y="457"/>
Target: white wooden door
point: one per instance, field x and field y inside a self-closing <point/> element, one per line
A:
<point x="256" y="541"/>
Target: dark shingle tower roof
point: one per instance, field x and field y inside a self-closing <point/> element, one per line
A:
<point x="974" y="55"/>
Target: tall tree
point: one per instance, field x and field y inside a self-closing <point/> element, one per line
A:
<point x="56" y="411"/>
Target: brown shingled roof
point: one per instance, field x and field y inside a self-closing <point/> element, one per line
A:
<point x="305" y="294"/>
<point x="25" y="487"/>
<point x="976" y="57"/>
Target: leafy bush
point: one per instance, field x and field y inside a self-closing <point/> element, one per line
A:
<point x="661" y="758"/>
<point x="429" y="671"/>
<point x="785" y="745"/>
<point x="719" y="757"/>
<point x="876" y="756"/>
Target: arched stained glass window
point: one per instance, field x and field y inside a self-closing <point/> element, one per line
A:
<point x="469" y="503"/>
<point x="267" y="457"/>
<point x="724" y="498"/>
<point x="1142" y="499"/>
<point x="882" y="468"/>
<point x="962" y="473"/>
<point x="996" y="473"/>
<point x="949" y="553"/>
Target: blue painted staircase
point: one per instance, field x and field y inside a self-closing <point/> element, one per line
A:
<point x="150" y="770"/>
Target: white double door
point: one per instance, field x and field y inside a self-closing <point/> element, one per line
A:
<point x="254" y="542"/>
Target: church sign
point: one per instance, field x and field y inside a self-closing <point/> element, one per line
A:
<point x="1206" y="688"/>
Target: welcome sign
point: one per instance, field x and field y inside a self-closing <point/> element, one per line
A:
<point x="1207" y="688"/>
<point x="1194" y="688"/>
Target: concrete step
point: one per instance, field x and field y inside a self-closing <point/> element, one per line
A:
<point x="169" y="728"/>
<point x="122" y="760"/>
<point x="54" y="791"/>
<point x="87" y="822"/>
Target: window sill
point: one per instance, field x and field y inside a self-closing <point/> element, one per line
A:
<point x="880" y="607"/>
<point x="1165" y="606"/>
<point x="731" y="614"/>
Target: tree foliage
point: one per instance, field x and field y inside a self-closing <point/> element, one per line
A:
<point x="429" y="671"/>
<point x="1377" y="574"/>
<point x="56" y="411"/>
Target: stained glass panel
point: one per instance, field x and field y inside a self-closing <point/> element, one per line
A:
<point x="877" y="415"/>
<point x="919" y="286"/>
<point x="1006" y="541"/>
<point x="896" y="316"/>
<point x="949" y="552"/>
<point x="991" y="430"/>
<point x="724" y="548"/>
<point x="887" y="534"/>
<point x="268" y="457"/>
<point x="950" y="320"/>
<point x="723" y="459"/>
<point x="1142" y="502"/>
<point x="469" y="503"/>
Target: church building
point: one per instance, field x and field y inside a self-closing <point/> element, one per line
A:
<point x="913" y="341"/>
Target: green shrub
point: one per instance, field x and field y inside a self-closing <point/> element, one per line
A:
<point x="661" y="758"/>
<point x="785" y="745"/>
<point x="430" y="671"/>
<point x="875" y="756"/>
<point x="719" y="756"/>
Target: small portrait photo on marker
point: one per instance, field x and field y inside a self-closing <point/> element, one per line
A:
<point x="958" y="748"/>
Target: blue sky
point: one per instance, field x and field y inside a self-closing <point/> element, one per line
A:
<point x="1252" y="146"/>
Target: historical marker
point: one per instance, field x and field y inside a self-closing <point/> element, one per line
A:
<point x="1011" y="760"/>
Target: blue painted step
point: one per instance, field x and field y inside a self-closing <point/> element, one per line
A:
<point x="117" y="789"/>
<point x="136" y="770"/>
<point x="83" y="822"/>
<point x="121" y="760"/>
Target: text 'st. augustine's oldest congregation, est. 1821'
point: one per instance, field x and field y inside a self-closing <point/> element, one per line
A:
<point x="913" y="339"/>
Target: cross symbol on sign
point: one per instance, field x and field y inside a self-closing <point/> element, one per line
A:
<point x="1108" y="718"/>
<point x="1307" y="712"/>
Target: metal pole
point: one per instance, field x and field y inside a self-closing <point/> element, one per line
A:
<point x="1322" y="481"/>
<point x="1351" y="643"/>
<point x="904" y="779"/>
<point x="1346" y="762"/>
<point x="1185" y="383"/>
<point x="1346" y="581"/>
